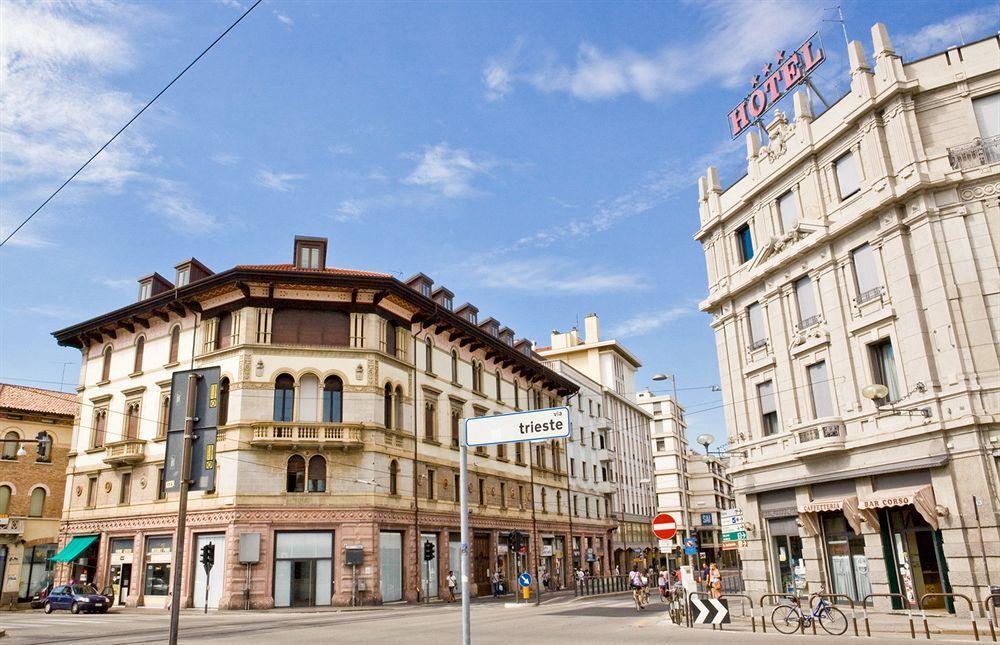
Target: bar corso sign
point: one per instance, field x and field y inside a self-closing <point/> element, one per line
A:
<point x="534" y="425"/>
<point x="774" y="82"/>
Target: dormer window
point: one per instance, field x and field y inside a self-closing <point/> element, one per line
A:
<point x="449" y="304"/>
<point x="425" y="289"/>
<point x="183" y="277"/>
<point x="145" y="290"/>
<point x="471" y="316"/>
<point x="310" y="252"/>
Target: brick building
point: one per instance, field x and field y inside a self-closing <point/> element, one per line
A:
<point x="31" y="485"/>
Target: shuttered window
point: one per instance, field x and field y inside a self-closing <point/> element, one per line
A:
<point x="224" y="331"/>
<point x="846" y="169"/>
<point x="310" y="327"/>
<point x="819" y="385"/>
<point x="787" y="211"/>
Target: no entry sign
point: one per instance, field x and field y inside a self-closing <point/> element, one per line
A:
<point x="664" y="526"/>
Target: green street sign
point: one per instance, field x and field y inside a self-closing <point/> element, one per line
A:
<point x="734" y="536"/>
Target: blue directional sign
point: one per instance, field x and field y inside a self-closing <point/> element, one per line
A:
<point x="690" y="545"/>
<point x="524" y="579"/>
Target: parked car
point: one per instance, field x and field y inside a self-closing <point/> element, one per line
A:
<point x="38" y="600"/>
<point x="76" y="598"/>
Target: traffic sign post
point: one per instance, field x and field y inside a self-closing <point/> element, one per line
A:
<point x="516" y="427"/>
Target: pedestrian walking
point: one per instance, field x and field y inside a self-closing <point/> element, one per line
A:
<point x="715" y="581"/>
<point x="495" y="579"/>
<point x="451" y="582"/>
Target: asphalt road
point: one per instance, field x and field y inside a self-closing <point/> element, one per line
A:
<point x="609" y="620"/>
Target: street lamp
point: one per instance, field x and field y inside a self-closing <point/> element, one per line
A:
<point x="877" y="393"/>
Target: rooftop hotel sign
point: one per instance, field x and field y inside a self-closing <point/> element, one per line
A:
<point x="775" y="81"/>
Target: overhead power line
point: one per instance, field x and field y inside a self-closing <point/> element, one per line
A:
<point x="137" y="115"/>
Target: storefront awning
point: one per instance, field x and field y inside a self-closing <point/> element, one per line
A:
<point x="921" y="498"/>
<point x="75" y="547"/>
<point x="847" y="505"/>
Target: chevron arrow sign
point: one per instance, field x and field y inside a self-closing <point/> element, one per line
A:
<point x="709" y="611"/>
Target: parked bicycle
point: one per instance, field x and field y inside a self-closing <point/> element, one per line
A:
<point x="789" y="619"/>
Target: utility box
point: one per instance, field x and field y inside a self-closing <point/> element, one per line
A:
<point x="354" y="554"/>
<point x="249" y="548"/>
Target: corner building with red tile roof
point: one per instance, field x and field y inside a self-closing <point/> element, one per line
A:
<point x="341" y="401"/>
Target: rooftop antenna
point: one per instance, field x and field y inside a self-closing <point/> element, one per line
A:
<point x="840" y="19"/>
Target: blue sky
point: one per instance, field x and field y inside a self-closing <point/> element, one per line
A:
<point x="540" y="159"/>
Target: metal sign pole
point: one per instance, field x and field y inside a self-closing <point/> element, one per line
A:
<point x="464" y="515"/>
<point x="178" y="567"/>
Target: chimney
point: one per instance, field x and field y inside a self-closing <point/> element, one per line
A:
<point x="591" y="329"/>
<point x="310" y="252"/>
<point x="443" y="297"/>
<point x="153" y="284"/>
<point x="190" y="270"/>
<point x="421" y="283"/>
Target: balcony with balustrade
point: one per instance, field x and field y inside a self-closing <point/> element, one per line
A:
<point x="271" y="434"/>
<point x="978" y="153"/>
<point x="820" y="438"/>
<point x="125" y="453"/>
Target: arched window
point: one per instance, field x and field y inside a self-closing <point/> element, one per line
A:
<point x="430" y="419"/>
<point x="106" y="365"/>
<point x="317" y="474"/>
<point x="161" y="431"/>
<point x="37" y="502"/>
<point x="429" y="355"/>
<point x="295" y="474"/>
<point x="44" y="447"/>
<point x="544" y="495"/>
<point x="224" y="401"/>
<point x="397" y="412"/>
<point x="387" y="406"/>
<point x="5" y="499"/>
<point x="132" y="420"/>
<point x="333" y="400"/>
<point x="475" y="375"/>
<point x="175" y="344"/>
<point x="394" y="477"/>
<point x="10" y="445"/>
<point x="308" y="399"/>
<point x="390" y="338"/>
<point x="499" y="394"/>
<point x="517" y="395"/>
<point x="100" y="427"/>
<point x="140" y="345"/>
<point x="559" y="502"/>
<point x="454" y="366"/>
<point x="284" y="397"/>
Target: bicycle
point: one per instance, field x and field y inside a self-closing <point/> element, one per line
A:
<point x="789" y="619"/>
<point x="638" y="595"/>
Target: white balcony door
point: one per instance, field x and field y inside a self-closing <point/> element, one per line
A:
<point x="214" y="580"/>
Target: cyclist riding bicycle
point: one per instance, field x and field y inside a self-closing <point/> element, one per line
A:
<point x="635" y="580"/>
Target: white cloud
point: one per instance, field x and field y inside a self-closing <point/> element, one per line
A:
<point x="172" y="202"/>
<point x="447" y="170"/>
<point x="58" y="108"/>
<point x="647" y="322"/>
<point x="283" y="18"/>
<point x="225" y="159"/>
<point x="280" y="181"/>
<point x="116" y="283"/>
<point x="341" y="149"/>
<point x="553" y="275"/>
<point x="25" y="239"/>
<point x="738" y="36"/>
<point x="951" y="31"/>
<point x="350" y="210"/>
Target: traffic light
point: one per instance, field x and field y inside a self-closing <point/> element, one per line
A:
<point x="428" y="551"/>
<point x="208" y="556"/>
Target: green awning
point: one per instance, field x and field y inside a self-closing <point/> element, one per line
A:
<point x="75" y="547"/>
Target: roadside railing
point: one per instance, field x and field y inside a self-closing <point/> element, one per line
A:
<point x="972" y="610"/>
<point x="990" y="607"/>
<point x="832" y="597"/>
<point x="906" y="605"/>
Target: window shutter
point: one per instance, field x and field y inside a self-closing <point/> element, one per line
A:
<point x="756" y="316"/>
<point x="846" y="169"/>
<point x="788" y="211"/>
<point x="819" y="385"/>
<point x="765" y="391"/>
<point x="805" y="298"/>
<point x="865" y="271"/>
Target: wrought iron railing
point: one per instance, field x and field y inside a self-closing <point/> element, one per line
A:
<point x="806" y="323"/>
<point x="869" y="295"/>
<point x="757" y="344"/>
<point x="978" y="153"/>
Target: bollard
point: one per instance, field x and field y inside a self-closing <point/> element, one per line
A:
<point x="763" y="620"/>
<point x="990" y="606"/>
<point x="972" y="611"/>
<point x="834" y="596"/>
<point x="905" y="603"/>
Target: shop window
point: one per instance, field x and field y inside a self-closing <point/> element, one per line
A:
<point x="37" y="503"/>
<point x="394" y="477"/>
<point x="158" y="553"/>
<point x="106" y="364"/>
<point x="284" y="398"/>
<point x="224" y="401"/>
<point x="768" y="408"/>
<point x="744" y="243"/>
<point x="5" y="492"/>
<point x="846" y="169"/>
<point x="333" y="400"/>
<point x="175" y="344"/>
<point x="883" y="362"/>
<point x="317" y="474"/>
<point x="140" y="346"/>
<point x="295" y="474"/>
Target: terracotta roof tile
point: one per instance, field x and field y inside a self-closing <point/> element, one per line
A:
<point x="328" y="270"/>
<point x="33" y="399"/>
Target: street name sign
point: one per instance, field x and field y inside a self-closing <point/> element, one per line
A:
<point x="534" y="425"/>
<point x="664" y="526"/>
<point x="734" y="536"/>
<point x="733" y="527"/>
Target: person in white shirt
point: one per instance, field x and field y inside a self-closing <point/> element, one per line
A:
<point x="450" y="580"/>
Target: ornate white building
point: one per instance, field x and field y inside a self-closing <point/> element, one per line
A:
<point x="861" y="249"/>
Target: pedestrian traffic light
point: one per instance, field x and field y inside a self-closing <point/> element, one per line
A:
<point x="208" y="556"/>
<point x="428" y="551"/>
